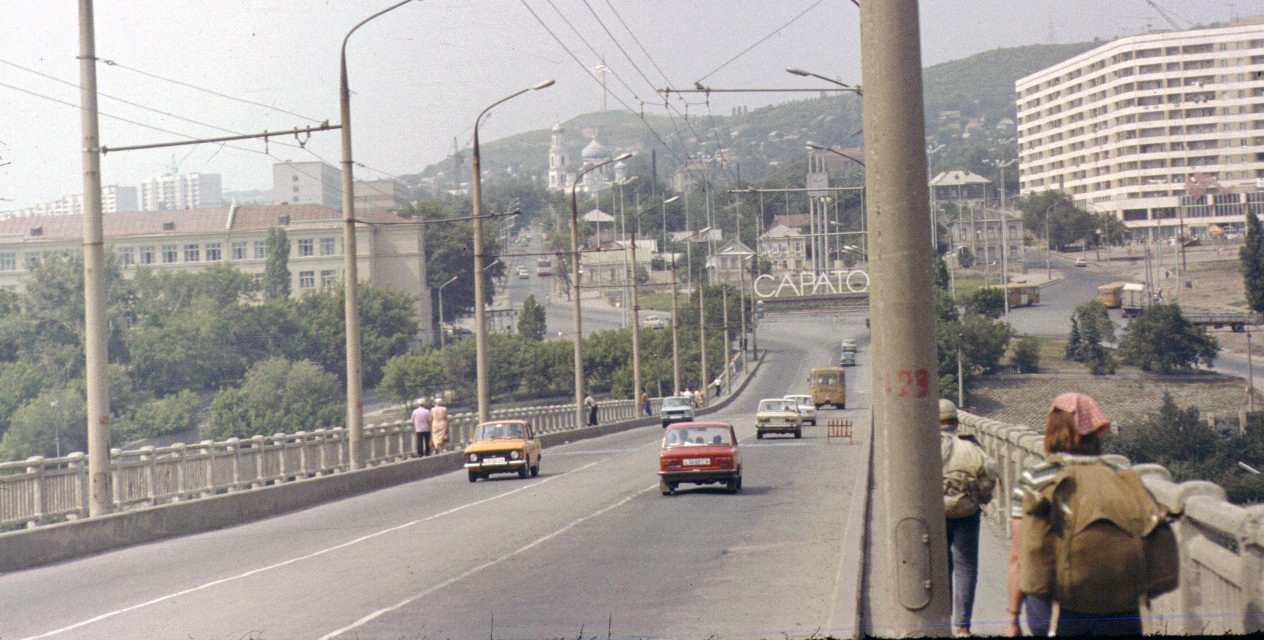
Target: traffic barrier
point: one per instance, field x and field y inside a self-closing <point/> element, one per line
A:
<point x="839" y="429"/>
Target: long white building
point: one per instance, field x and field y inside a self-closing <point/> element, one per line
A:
<point x="1123" y="127"/>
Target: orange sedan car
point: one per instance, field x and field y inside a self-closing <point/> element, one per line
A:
<point x="699" y="453"/>
<point x="503" y="446"/>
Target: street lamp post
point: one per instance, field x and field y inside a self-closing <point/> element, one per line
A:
<point x="351" y="304"/>
<point x="442" y="343"/>
<point x="480" y="314"/>
<point x="1048" y="243"/>
<point x="675" y="333"/>
<point x="665" y="203"/>
<point x="636" y="325"/>
<point x="578" y="324"/>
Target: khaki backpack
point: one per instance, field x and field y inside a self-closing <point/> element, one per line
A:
<point x="969" y="476"/>
<point x="1095" y="541"/>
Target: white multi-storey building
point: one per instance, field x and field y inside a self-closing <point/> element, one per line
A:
<point x="114" y="199"/>
<point x="1123" y="127"/>
<point x="307" y="183"/>
<point x="181" y="191"/>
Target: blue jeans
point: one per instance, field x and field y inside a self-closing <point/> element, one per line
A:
<point x="963" y="566"/>
<point x="1075" y="623"/>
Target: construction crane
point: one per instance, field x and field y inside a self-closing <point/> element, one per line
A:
<point x="1166" y="16"/>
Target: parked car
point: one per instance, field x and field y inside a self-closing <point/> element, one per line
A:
<point x="807" y="410"/>
<point x="503" y="446"/>
<point x="676" y="409"/>
<point x="1080" y="262"/>
<point x="700" y="453"/>
<point x="847" y="359"/>
<point x="655" y="322"/>
<point x="778" y="415"/>
<point x="522" y="273"/>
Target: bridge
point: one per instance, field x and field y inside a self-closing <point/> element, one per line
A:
<point x="274" y="538"/>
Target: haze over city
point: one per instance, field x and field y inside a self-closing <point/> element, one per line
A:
<point x="420" y="76"/>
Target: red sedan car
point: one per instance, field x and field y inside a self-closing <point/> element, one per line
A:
<point x="699" y="453"/>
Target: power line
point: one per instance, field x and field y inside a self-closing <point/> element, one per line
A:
<point x="763" y="39"/>
<point x="212" y="92"/>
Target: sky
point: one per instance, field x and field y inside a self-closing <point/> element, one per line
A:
<point x="420" y="74"/>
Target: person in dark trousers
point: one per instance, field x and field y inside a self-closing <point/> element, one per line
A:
<point x="591" y="405"/>
<point x="645" y="402"/>
<point x="421" y="424"/>
<point x="969" y="478"/>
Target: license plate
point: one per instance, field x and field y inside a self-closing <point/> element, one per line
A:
<point x="493" y="461"/>
<point x="697" y="461"/>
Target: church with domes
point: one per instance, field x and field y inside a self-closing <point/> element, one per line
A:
<point x="562" y="171"/>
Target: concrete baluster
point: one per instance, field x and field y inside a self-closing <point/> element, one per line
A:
<point x="256" y="447"/>
<point x="35" y="469"/>
<point x="180" y="452"/>
<point x="116" y="467"/>
<point x="233" y="449"/>
<point x="148" y="463"/>
<point x="211" y="457"/>
<point x="78" y="465"/>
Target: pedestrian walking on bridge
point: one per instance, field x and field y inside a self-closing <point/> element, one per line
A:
<point x="969" y="480"/>
<point x="421" y="424"/>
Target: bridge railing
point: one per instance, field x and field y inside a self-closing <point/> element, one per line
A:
<point x="41" y="490"/>
<point x="1221" y="544"/>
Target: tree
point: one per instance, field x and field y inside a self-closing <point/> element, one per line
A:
<point x="1161" y="339"/>
<point x="413" y="375"/>
<point x="276" y="271"/>
<point x="1027" y="355"/>
<point x="1074" y="341"/>
<point x="531" y="323"/>
<point x="176" y="413"/>
<point x="277" y="396"/>
<point x="986" y="302"/>
<point x="53" y="420"/>
<point x="1251" y="261"/>
<point x="965" y="257"/>
<point x="1090" y="326"/>
<point x="1175" y="437"/>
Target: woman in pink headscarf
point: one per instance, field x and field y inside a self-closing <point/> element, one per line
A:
<point x="1074" y="429"/>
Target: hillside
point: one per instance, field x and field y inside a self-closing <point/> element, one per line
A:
<point x="965" y="101"/>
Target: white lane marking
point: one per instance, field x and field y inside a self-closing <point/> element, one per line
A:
<point x="201" y="587"/>
<point x="491" y="563"/>
<point x="594" y="452"/>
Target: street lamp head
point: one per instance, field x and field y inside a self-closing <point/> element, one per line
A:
<point x="623" y="156"/>
<point x="813" y="145"/>
<point x="797" y="71"/>
<point x="543" y="85"/>
<point x="671" y="199"/>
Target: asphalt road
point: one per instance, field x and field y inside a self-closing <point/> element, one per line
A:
<point x="588" y="548"/>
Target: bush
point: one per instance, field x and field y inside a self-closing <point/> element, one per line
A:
<point x="1027" y="355"/>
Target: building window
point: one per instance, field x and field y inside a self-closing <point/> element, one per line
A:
<point x="170" y="253"/>
<point x="326" y="246"/>
<point x="306" y="280"/>
<point x="192" y="253"/>
<point x="146" y="255"/>
<point x="239" y="250"/>
<point x="213" y="253"/>
<point x="306" y="247"/>
<point x="32" y="260"/>
<point x="261" y="250"/>
<point x="8" y="261"/>
<point x="126" y="256"/>
<point x="328" y="278"/>
<point x="259" y="279"/>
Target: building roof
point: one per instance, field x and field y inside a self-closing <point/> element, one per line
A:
<point x="782" y="231"/>
<point x="791" y="219"/>
<point x="597" y="215"/>
<point x="734" y="247"/>
<point x="185" y="221"/>
<point x="958" y="178"/>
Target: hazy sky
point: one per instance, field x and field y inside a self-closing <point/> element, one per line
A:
<point x="420" y="74"/>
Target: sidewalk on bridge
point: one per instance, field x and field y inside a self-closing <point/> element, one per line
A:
<point x="989" y="596"/>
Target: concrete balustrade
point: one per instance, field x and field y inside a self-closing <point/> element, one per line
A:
<point x="1222" y="545"/>
<point x="42" y="490"/>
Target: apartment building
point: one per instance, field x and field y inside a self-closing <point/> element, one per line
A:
<point x="114" y="199"/>
<point x="181" y="191"/>
<point x="307" y="183"/>
<point x="390" y="250"/>
<point x="1123" y="128"/>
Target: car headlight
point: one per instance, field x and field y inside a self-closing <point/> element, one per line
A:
<point x="514" y="455"/>
<point x="761" y="420"/>
<point x="473" y="457"/>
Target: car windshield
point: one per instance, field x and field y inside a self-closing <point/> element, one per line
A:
<point x="776" y="405"/>
<point x="496" y="430"/>
<point x="802" y="401"/>
<point x="676" y="401"/>
<point x="698" y="436"/>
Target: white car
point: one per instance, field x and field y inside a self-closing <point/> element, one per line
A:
<point x="655" y="323"/>
<point x="778" y="415"/>
<point x="806" y="409"/>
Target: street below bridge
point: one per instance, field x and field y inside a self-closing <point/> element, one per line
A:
<point x="590" y="547"/>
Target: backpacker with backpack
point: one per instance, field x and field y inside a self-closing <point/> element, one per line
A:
<point x="1095" y="540"/>
<point x="969" y="476"/>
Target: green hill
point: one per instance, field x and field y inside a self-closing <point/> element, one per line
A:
<point x="965" y="102"/>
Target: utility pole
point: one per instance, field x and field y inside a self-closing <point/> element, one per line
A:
<point x="726" y="361"/>
<point x="702" y="332"/>
<point x="910" y="574"/>
<point x="675" y="331"/>
<point x="636" y="325"/>
<point x="101" y="495"/>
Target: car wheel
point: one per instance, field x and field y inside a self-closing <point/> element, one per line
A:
<point x="759" y="435"/>
<point x="665" y="424"/>
<point x="739" y="480"/>
<point x="524" y="471"/>
<point x="535" y="469"/>
<point x="818" y="407"/>
<point x="730" y="485"/>
<point x="473" y="476"/>
<point x="798" y="433"/>
<point x="666" y="487"/>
